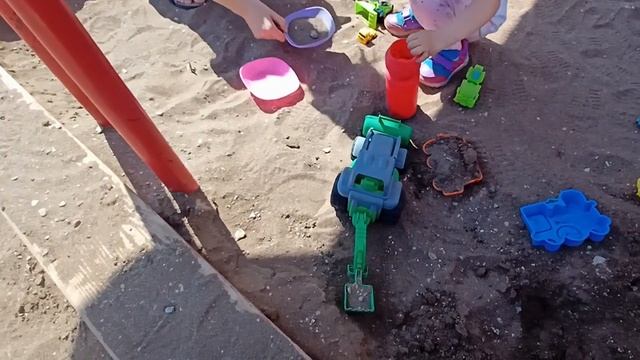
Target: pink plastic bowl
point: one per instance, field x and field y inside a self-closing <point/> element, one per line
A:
<point x="269" y="78"/>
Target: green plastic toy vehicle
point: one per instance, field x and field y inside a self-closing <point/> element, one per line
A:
<point x="469" y="91"/>
<point x="370" y="191"/>
<point x="373" y="11"/>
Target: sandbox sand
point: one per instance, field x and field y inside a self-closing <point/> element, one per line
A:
<point x="457" y="277"/>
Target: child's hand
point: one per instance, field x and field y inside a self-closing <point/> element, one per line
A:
<point x="264" y="23"/>
<point x="423" y="44"/>
<point x="427" y="43"/>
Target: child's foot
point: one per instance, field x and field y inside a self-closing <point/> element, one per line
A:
<point x="436" y="71"/>
<point x="402" y="24"/>
<point x="188" y="4"/>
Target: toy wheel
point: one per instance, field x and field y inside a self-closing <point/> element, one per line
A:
<point x="358" y="143"/>
<point x="338" y="201"/>
<point x="392" y="216"/>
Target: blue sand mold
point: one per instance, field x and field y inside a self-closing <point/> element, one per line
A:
<point x="567" y="220"/>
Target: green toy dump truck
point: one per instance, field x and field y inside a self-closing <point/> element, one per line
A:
<point x="370" y="190"/>
<point x="373" y="11"/>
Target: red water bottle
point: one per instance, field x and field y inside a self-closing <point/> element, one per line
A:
<point x="402" y="81"/>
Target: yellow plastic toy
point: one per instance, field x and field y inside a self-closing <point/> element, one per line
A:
<point x="366" y="35"/>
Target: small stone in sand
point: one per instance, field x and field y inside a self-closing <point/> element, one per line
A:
<point x="326" y="150"/>
<point x="40" y="280"/>
<point x="306" y="31"/>
<point x="77" y="223"/>
<point x="34" y="202"/>
<point x="15" y="178"/>
<point x="598" y="260"/>
<point x="62" y="204"/>
<point x="42" y="212"/>
<point x="481" y="271"/>
<point x="239" y="235"/>
<point x="98" y="130"/>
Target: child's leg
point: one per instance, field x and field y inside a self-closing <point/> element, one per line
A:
<point x="433" y="14"/>
<point x="424" y="14"/>
<point x="436" y="71"/>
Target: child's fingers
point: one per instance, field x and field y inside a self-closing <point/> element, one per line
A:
<point x="275" y="33"/>
<point x="279" y="27"/>
<point x="419" y="53"/>
<point x="279" y="36"/>
<point x="413" y="40"/>
<point x="280" y="23"/>
<point x="415" y="47"/>
<point x="422" y="58"/>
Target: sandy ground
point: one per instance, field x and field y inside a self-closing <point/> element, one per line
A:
<point x="37" y="322"/>
<point x="457" y="278"/>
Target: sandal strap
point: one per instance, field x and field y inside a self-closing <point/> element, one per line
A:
<point x="443" y="60"/>
<point x="404" y="16"/>
<point x="447" y="58"/>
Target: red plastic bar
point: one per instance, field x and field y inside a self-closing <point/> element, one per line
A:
<point x="18" y="26"/>
<point x="62" y="34"/>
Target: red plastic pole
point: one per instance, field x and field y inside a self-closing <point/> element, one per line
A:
<point x="62" y="34"/>
<point x="18" y="26"/>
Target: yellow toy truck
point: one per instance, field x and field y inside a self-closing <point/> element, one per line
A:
<point x="366" y="35"/>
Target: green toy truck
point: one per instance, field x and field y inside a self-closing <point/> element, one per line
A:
<point x="370" y="190"/>
<point x="373" y="11"/>
<point x="469" y="91"/>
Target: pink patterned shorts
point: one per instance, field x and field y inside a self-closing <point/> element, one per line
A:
<point x="432" y="14"/>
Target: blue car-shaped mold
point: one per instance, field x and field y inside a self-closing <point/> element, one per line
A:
<point x="568" y="220"/>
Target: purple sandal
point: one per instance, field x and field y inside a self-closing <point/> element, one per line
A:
<point x="402" y="24"/>
<point x="436" y="71"/>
